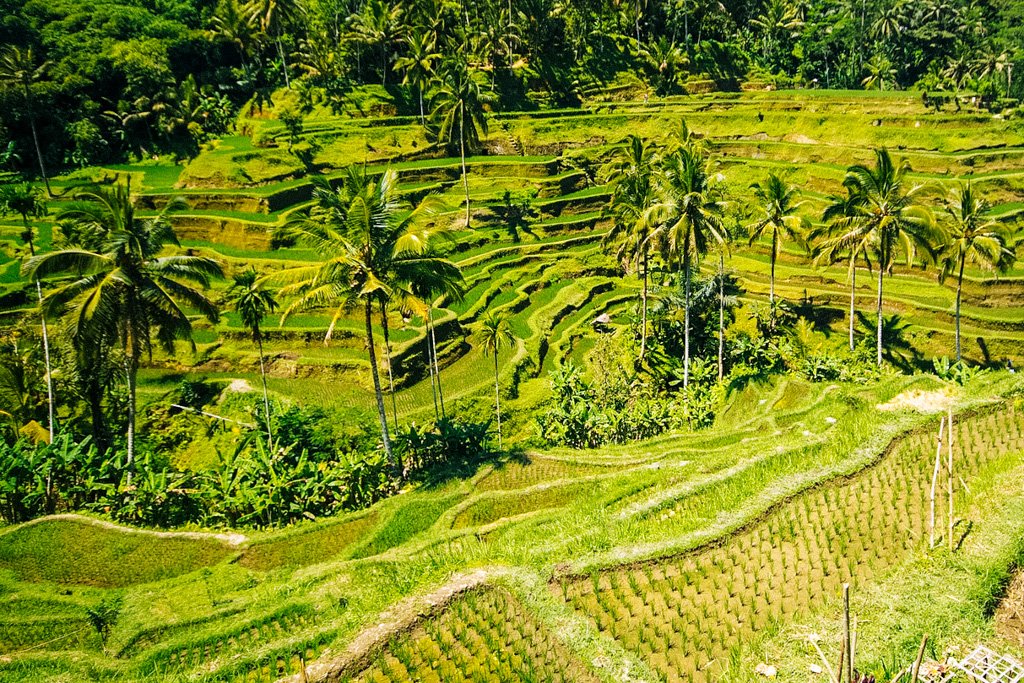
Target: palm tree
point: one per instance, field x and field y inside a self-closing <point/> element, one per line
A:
<point x="272" y="16"/>
<point x="778" y="22"/>
<point x="18" y="69"/>
<point x="972" y="237"/>
<point x="458" y="109"/>
<point x="374" y="250"/>
<point x="630" y="173"/>
<point x="26" y="201"/>
<point x="887" y="214"/>
<point x="688" y="219"/>
<point x="231" y="24"/>
<point x="879" y="69"/>
<point x="494" y="335"/>
<point x="418" y="65"/>
<point x="123" y="285"/>
<point x="780" y="219"/>
<point x="253" y="303"/>
<point x="830" y="247"/>
<point x="380" y="25"/>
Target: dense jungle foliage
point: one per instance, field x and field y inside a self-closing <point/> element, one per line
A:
<point x="95" y="82"/>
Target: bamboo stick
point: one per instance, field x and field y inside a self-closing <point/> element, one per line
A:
<point x="847" y="633"/>
<point x="949" y="447"/>
<point x="935" y="480"/>
<point x="915" y="672"/>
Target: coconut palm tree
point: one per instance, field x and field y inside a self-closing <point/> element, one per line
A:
<point x="26" y="201"/>
<point x="494" y="335"/>
<point x="887" y="213"/>
<point x="19" y="70"/>
<point x="122" y="284"/>
<point x="272" y="16"/>
<point x="418" y="64"/>
<point x="972" y="237"/>
<point x="830" y="246"/>
<point x="631" y="173"/>
<point x="253" y="302"/>
<point x="374" y="250"/>
<point x="458" y="111"/>
<point x="780" y="220"/>
<point x="688" y="220"/>
<point x="379" y="25"/>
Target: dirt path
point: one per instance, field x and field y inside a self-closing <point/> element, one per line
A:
<point x="1009" y="620"/>
<point x="400" y="618"/>
<point x="233" y="540"/>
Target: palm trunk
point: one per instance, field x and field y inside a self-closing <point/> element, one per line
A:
<point x="643" y="328"/>
<point x="423" y="118"/>
<point x="266" y="394"/>
<point x="959" y="294"/>
<point x="878" y="340"/>
<point x="853" y="295"/>
<point x="497" y="397"/>
<point x="132" y="371"/>
<point x="462" y="154"/>
<point x="771" y="281"/>
<point x="721" y="316"/>
<point x="377" y="390"/>
<point x="437" y="367"/>
<point x="284" y="63"/>
<point x="686" y="320"/>
<point x="46" y="359"/>
<point x="46" y="345"/>
<point x="430" y="365"/>
<point x="35" y="141"/>
<point x="391" y="372"/>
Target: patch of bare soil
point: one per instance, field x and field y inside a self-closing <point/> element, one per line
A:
<point x="919" y="401"/>
<point x="1009" y="620"/>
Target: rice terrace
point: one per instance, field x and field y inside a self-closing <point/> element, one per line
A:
<point x="476" y="341"/>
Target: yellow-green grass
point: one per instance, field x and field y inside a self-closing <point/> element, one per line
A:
<point x="80" y="551"/>
<point x="307" y="544"/>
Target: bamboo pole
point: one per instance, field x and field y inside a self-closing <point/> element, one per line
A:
<point x="915" y="672"/>
<point x="949" y="447"/>
<point x="847" y="634"/>
<point x="935" y="480"/>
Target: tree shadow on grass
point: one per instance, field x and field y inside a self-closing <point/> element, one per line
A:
<point x="468" y="468"/>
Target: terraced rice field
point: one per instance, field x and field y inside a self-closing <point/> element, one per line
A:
<point x="665" y="558"/>
<point x="690" y="616"/>
<point x="556" y="283"/>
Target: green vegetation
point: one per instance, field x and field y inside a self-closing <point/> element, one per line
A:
<point x="586" y="348"/>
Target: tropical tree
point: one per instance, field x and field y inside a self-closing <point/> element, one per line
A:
<point x="830" y="245"/>
<point x="374" y="250"/>
<point x="688" y="220"/>
<point x="26" y="201"/>
<point x="379" y="26"/>
<point x="972" y="236"/>
<point x="779" y="205"/>
<point x="888" y="215"/>
<point x="19" y="70"/>
<point x="631" y="175"/>
<point x="879" y="69"/>
<point x="253" y="302"/>
<point x="778" y="23"/>
<point x="120" y="283"/>
<point x="494" y="335"/>
<point x="418" y="65"/>
<point x="458" y="111"/>
<point x="272" y="16"/>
